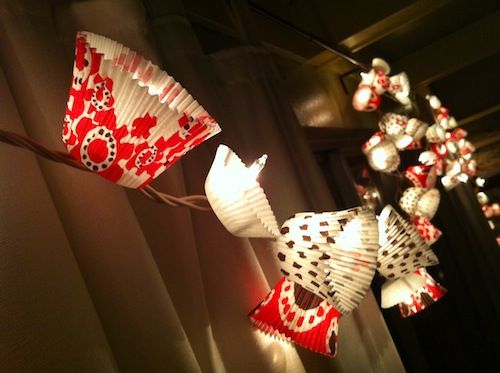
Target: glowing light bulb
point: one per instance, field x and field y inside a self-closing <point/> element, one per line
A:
<point x="256" y="167"/>
<point x="236" y="197"/>
<point x="434" y="102"/>
<point x="482" y="198"/>
<point x="480" y="182"/>
<point x="463" y="177"/>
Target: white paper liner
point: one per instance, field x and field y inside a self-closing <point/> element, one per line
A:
<point x="241" y="205"/>
<point x="420" y="201"/>
<point x="416" y="128"/>
<point x="331" y="254"/>
<point x="409" y="200"/>
<point x="402" y="250"/>
<point x="381" y="64"/>
<point x="435" y="134"/>
<point x="393" y="124"/>
<point x="384" y="157"/>
<point x="400" y="290"/>
<point x="139" y="119"/>
<point x="428" y="203"/>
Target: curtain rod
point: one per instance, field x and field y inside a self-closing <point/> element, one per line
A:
<point x="308" y="36"/>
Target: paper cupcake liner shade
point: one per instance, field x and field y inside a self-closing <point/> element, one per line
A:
<point x="400" y="290"/>
<point x="237" y="198"/>
<point x="376" y="82"/>
<point x="420" y="201"/>
<point x="400" y="88"/>
<point x="429" y="293"/>
<point x="394" y="126"/>
<point x="126" y="119"/>
<point x="402" y="250"/>
<point x="416" y="128"/>
<point x="426" y="229"/>
<point x="382" y="154"/>
<point x="331" y="254"/>
<point x="297" y="315"/>
<point x="421" y="176"/>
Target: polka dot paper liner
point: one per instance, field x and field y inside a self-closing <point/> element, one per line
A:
<point x="291" y="312"/>
<point x="420" y="201"/>
<point x="126" y="119"/>
<point x="402" y="250"/>
<point x="331" y="254"/>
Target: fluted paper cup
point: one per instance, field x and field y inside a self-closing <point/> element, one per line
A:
<point x="331" y="254"/>
<point x="401" y="250"/>
<point x="126" y="119"/>
<point x="237" y="199"/>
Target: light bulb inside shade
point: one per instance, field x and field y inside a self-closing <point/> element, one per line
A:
<point x="482" y="198"/>
<point x="480" y="182"/>
<point x="434" y="102"/>
<point x="257" y="166"/>
<point x="400" y="290"/>
<point x="237" y="198"/>
<point x="384" y="157"/>
<point x="463" y="177"/>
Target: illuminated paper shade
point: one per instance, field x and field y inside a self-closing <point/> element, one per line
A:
<point x="331" y="254"/>
<point x="237" y="198"/>
<point x="382" y="154"/>
<point x="400" y="290"/>
<point x="435" y="134"/>
<point x="402" y="250"/>
<point x="429" y="293"/>
<point x="416" y="128"/>
<point x="420" y="201"/>
<point x="126" y="119"/>
<point x="365" y="99"/>
<point x="421" y="176"/>
<point x="426" y="229"/>
<point x="394" y="126"/>
<point x="400" y="88"/>
<point x="297" y="315"/>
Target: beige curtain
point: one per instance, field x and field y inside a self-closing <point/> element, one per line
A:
<point x="97" y="278"/>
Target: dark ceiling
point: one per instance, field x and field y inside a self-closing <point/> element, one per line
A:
<point x="449" y="48"/>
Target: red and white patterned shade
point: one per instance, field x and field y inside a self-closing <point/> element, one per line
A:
<point x="291" y="312"/>
<point x="126" y="119"/>
<point x="428" y="294"/>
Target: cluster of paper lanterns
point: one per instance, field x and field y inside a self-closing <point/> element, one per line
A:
<point x="127" y="121"/>
<point x="376" y="82"/>
<point x="328" y="259"/>
<point x="448" y="155"/>
<point x="491" y="210"/>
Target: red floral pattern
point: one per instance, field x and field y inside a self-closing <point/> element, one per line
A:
<point x="428" y="294"/>
<point x="426" y="229"/>
<point x="294" y="313"/>
<point x="132" y="153"/>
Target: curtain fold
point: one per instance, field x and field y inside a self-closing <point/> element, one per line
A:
<point x="48" y="319"/>
<point x="116" y="262"/>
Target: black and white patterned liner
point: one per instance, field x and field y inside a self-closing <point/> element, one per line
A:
<point x="420" y="201"/>
<point x="402" y="250"/>
<point x="331" y="254"/>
